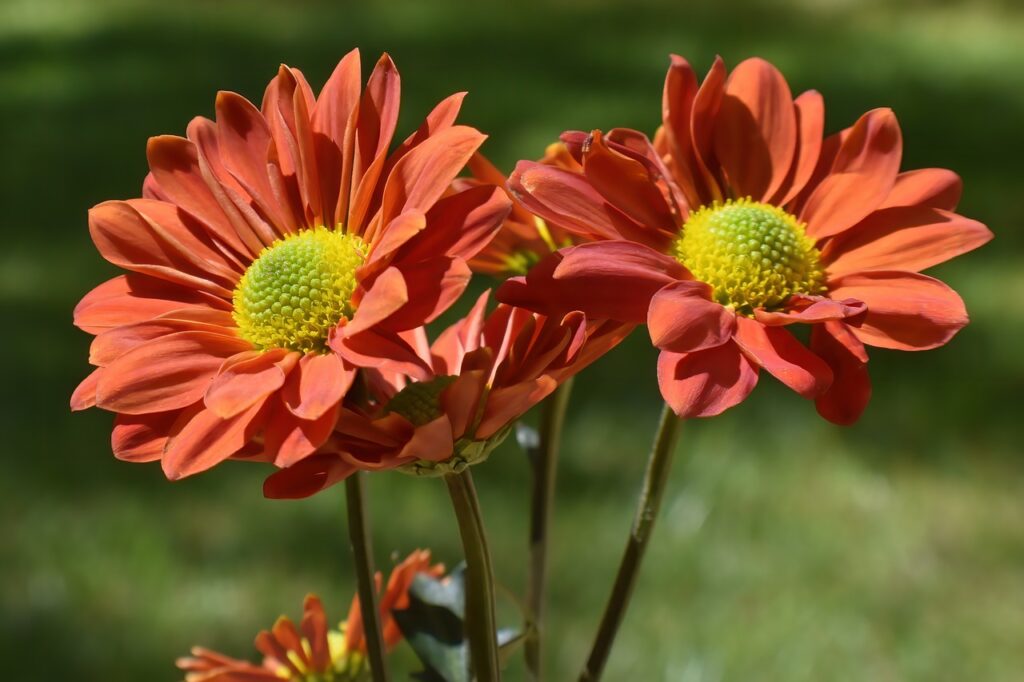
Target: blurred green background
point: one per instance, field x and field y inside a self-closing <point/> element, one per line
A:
<point x="788" y="549"/>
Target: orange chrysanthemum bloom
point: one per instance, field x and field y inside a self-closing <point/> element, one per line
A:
<point x="312" y="651"/>
<point x="486" y="371"/>
<point x="524" y="239"/>
<point x="741" y="220"/>
<point x="276" y="251"/>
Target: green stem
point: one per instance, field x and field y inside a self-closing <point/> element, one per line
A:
<point x="658" y="465"/>
<point x="362" y="553"/>
<point x="544" y="464"/>
<point x="481" y="624"/>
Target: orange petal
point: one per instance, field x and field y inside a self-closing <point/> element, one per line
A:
<point x="932" y="187"/>
<point x="906" y="311"/>
<point x="84" y="396"/>
<point x="387" y="295"/>
<point x="862" y="176"/>
<point x="705" y="383"/>
<point x="317" y="384"/>
<point x="845" y="400"/>
<point x="682" y="318"/>
<point x="756" y="133"/>
<point x="135" y="298"/>
<point x="206" y="440"/>
<point x="248" y="378"/>
<point x="288" y="439"/>
<point x="910" y="238"/>
<point x="507" y="404"/>
<point x="143" y="437"/>
<point x="785" y="358"/>
<point x="166" y="373"/>
<point x="309" y="476"/>
<point x="810" y="122"/>
<point x="811" y="309"/>
<point x="422" y="176"/>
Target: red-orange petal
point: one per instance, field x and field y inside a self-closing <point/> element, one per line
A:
<point x="306" y="478"/>
<point x="142" y="437"/>
<point x="785" y="358"/>
<point x="682" y="318"/>
<point x="705" y="383"/>
<point x="861" y="178"/>
<point x="132" y="298"/>
<point x="166" y="373"/>
<point x="910" y="238"/>
<point x="810" y="121"/>
<point x="932" y="187"/>
<point x="906" y="311"/>
<point x="755" y="133"/>
<point x="288" y="439"/>
<point x="248" y="378"/>
<point x="811" y="309"/>
<point x="316" y="385"/>
<point x="206" y="440"/>
<point x="846" y="398"/>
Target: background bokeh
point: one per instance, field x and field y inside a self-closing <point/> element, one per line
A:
<point x="789" y="549"/>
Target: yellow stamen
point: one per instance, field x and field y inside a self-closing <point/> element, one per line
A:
<point x="753" y="255"/>
<point x="298" y="289"/>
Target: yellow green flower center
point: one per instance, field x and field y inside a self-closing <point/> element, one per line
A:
<point x="420" y="402"/>
<point x="298" y="289"/>
<point x="753" y="255"/>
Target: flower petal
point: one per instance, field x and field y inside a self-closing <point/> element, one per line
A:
<point x="707" y="382"/>
<point x="206" y="440"/>
<point x="309" y="476"/>
<point x="788" y="360"/>
<point x="316" y="385"/>
<point x="682" y="318"/>
<point x="845" y="400"/>
<point x="141" y="437"/>
<point x="906" y="311"/>
<point x="932" y="187"/>
<point x="811" y="309"/>
<point x="861" y="178"/>
<point x="910" y="238"/>
<point x="506" y="404"/>
<point x="387" y="295"/>
<point x="288" y="439"/>
<point x="755" y="133"/>
<point x="605" y="280"/>
<point x="810" y="122"/>
<point x="132" y="298"/>
<point x="248" y="378"/>
<point x="166" y="373"/>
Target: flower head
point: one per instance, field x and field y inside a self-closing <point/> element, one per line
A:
<point x="740" y="220"/>
<point x="275" y="252"/>
<point x="312" y="651"/>
<point x="486" y="372"/>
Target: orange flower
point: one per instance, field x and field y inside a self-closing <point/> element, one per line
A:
<point x="312" y="652"/>
<point x="487" y="372"/>
<point x="741" y="220"/>
<point x="275" y="251"/>
<point x="524" y="239"/>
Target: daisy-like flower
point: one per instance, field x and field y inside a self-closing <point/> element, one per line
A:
<point x="275" y="251"/>
<point x="312" y="651"/>
<point x="741" y="220"/>
<point x="524" y="239"/>
<point x="486" y="372"/>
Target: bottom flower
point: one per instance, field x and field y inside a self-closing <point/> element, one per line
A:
<point x="312" y="651"/>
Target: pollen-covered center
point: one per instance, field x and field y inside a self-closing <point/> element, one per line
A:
<point x="298" y="289"/>
<point x="753" y="255"/>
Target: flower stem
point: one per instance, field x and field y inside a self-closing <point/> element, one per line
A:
<point x="362" y="554"/>
<point x="544" y="464"/>
<point x="658" y="465"/>
<point x="481" y="624"/>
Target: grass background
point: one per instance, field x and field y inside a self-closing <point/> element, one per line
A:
<point x="788" y="549"/>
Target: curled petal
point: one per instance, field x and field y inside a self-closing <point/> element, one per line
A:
<point x="248" y="378"/>
<point x="705" y="383"/>
<point x="683" y="318"/>
<point x="811" y="309"/>
<point x="206" y="440"/>
<point x="307" y="477"/>
<point x="850" y="392"/>
<point x="317" y="384"/>
<point x="785" y="358"/>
